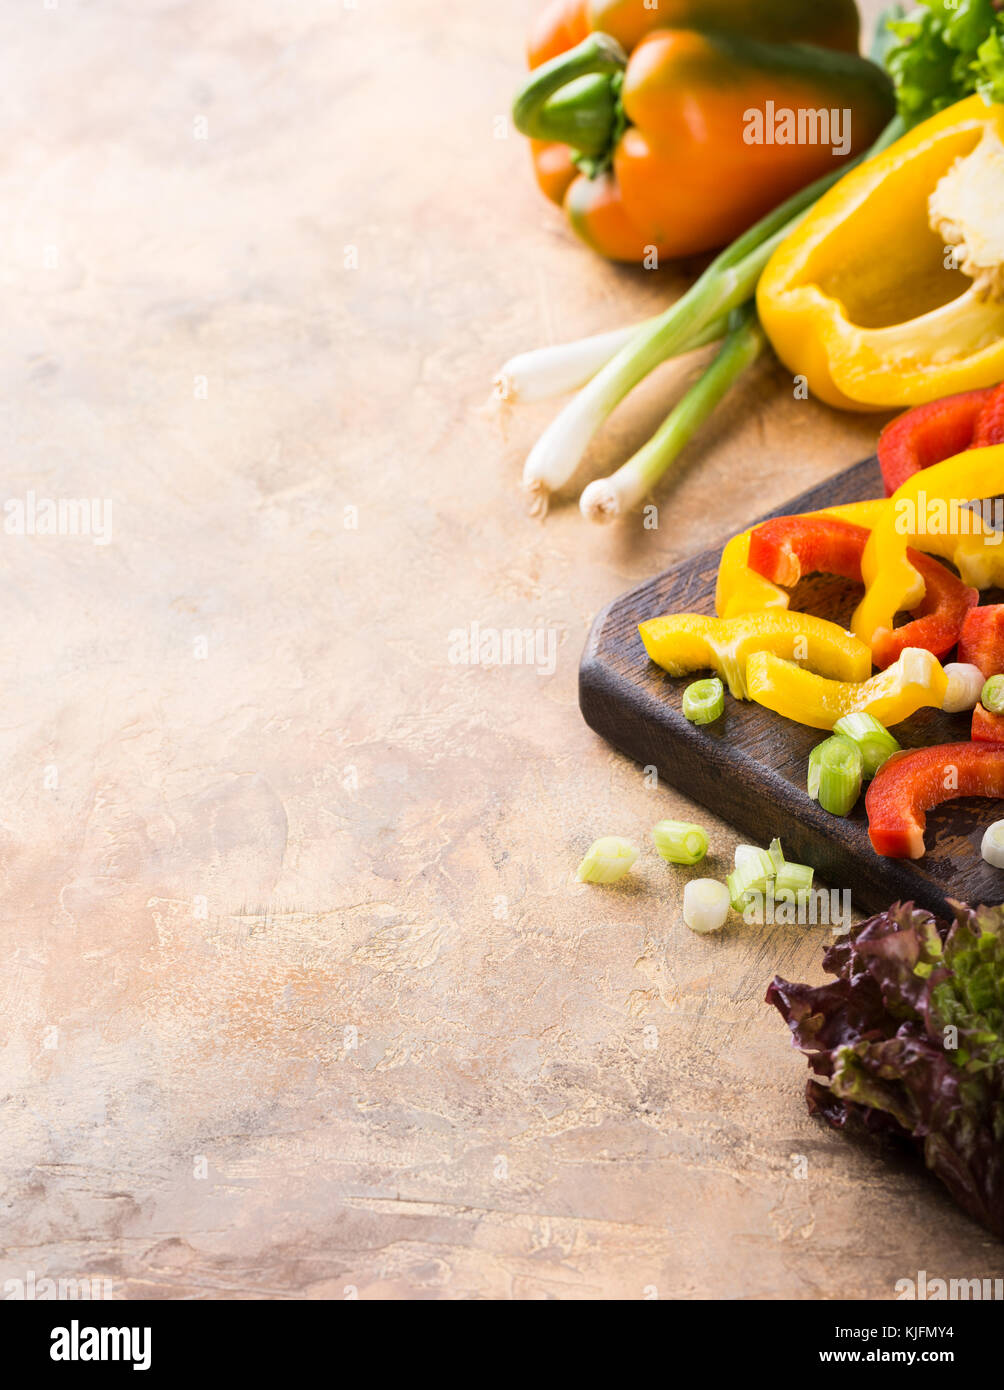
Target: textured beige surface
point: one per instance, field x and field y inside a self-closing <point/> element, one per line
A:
<point x="297" y="992"/>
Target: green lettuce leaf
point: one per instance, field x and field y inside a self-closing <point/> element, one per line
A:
<point x="941" y="52"/>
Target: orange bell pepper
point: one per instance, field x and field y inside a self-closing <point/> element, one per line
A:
<point x="658" y="109"/>
<point x="564" y="23"/>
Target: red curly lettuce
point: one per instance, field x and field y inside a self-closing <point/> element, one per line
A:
<point x="909" y="1039"/>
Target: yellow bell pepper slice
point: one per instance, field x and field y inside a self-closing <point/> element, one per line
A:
<point x="930" y="503"/>
<point x="914" y="680"/>
<point x="739" y="589"/>
<point x="863" y="300"/>
<point x="684" y="642"/>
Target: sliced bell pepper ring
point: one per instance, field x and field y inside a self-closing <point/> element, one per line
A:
<point x="785" y="548"/>
<point x="987" y="727"/>
<point x="892" y="582"/>
<point x="911" y="683"/>
<point x="930" y="434"/>
<point x="739" y="589"/>
<point x="685" y="642"/>
<point x="966" y="542"/>
<point x="911" y="783"/>
<point x="982" y="641"/>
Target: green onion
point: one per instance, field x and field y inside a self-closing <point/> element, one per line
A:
<point x="875" y="742"/>
<point x="777" y="854"/>
<point x="992" y="698"/>
<point x="836" y="770"/>
<point x="728" y="282"/>
<point x="965" y="681"/>
<point x="755" y="865"/>
<point x="607" y="499"/>
<point x="741" y="888"/>
<point x="680" y="842"/>
<point x="992" y="847"/>
<point x="607" y="861"/>
<point x="553" y="371"/>
<point x="793" y="878"/>
<point x="704" y="701"/>
<point x="705" y="904"/>
<point x="738" y="890"/>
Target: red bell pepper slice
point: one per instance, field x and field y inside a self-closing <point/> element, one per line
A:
<point x="990" y="425"/>
<point x="981" y="642"/>
<point x="987" y="727"/>
<point x="929" y="434"/>
<point x="784" y="549"/>
<point x="911" y="783"/>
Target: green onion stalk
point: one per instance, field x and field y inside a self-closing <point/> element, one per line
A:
<point x="607" y="499"/>
<point x="727" y="284"/>
<point x="574" y="100"/>
<point x="563" y="367"/>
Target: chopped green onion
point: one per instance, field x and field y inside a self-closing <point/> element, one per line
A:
<point x="751" y="875"/>
<point x="607" y="861"/>
<point x="874" y="741"/>
<point x="680" y="842"/>
<point x="965" y="682"/>
<point x="793" y="878"/>
<point x="992" y="847"/>
<point x="776" y="854"/>
<point x="836" y="770"/>
<point x="992" y="698"/>
<point x="737" y="889"/>
<point x="705" y="904"/>
<point x="704" y="701"/>
<point x="754" y="864"/>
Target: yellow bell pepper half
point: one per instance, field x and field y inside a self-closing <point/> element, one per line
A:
<point x="914" y="680"/>
<point x="929" y="506"/>
<point x="684" y="642"/>
<point x="740" y="589"/>
<point x="865" y="299"/>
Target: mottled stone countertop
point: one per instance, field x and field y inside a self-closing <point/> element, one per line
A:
<point x="298" y="995"/>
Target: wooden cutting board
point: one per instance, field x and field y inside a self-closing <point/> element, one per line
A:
<point x="749" y="766"/>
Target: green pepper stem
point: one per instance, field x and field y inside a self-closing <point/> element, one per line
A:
<point x="571" y="99"/>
